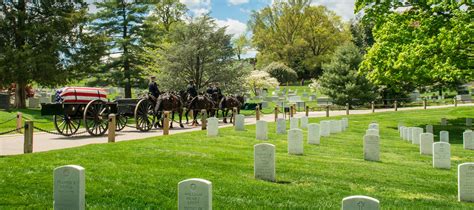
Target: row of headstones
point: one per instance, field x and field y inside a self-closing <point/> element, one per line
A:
<point x="444" y="122"/>
<point x="441" y="153"/>
<point x="70" y="187"/>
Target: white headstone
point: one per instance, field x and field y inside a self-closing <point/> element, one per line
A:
<point x="295" y="142"/>
<point x="415" y="135"/>
<point x="441" y="155"/>
<point x="466" y="182"/>
<point x="401" y="131"/>
<point x="374" y="126"/>
<point x="405" y="133"/>
<point x="399" y="126"/>
<point x="429" y="129"/>
<point x="346" y="122"/>
<point x="360" y="202"/>
<point x="325" y="128"/>
<point x="468" y="122"/>
<point x="294" y="123"/>
<point x="264" y="162"/>
<point x="340" y="126"/>
<point x="334" y="126"/>
<point x="69" y="187"/>
<point x="281" y="126"/>
<point x="371" y="148"/>
<point x="240" y="122"/>
<point x="426" y="144"/>
<point x="444" y="136"/>
<point x="372" y="132"/>
<point x="195" y="194"/>
<point x="444" y="121"/>
<point x="314" y="133"/>
<point x="410" y="134"/>
<point x="304" y="122"/>
<point x="468" y="139"/>
<point x="212" y="127"/>
<point x="343" y="124"/>
<point x="262" y="130"/>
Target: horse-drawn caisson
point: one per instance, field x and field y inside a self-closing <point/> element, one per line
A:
<point x="89" y="106"/>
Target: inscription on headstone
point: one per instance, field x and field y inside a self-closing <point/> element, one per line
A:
<point x="360" y="202"/>
<point x="264" y="162"/>
<point x="195" y="194"/>
<point x="69" y="187"/>
<point x="466" y="182"/>
<point x="441" y="155"/>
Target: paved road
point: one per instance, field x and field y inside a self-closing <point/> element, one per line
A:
<point x="13" y="144"/>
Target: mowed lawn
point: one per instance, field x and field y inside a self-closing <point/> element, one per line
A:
<point x="145" y="173"/>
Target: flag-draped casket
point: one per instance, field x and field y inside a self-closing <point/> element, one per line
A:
<point x="80" y="94"/>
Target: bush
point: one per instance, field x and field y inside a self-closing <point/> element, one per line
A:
<point x="281" y="72"/>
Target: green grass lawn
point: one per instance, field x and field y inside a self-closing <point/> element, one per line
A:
<point x="145" y="173"/>
<point x="45" y="122"/>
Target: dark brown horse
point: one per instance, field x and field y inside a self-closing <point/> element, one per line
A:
<point x="228" y="103"/>
<point x="199" y="103"/>
<point x="215" y="106"/>
<point x="170" y="102"/>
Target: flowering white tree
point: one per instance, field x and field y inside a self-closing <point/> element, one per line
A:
<point x="314" y="86"/>
<point x="260" y="79"/>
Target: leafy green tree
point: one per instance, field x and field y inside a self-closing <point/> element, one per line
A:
<point x="427" y="44"/>
<point x="198" y="51"/>
<point x="362" y="35"/>
<point x="281" y="72"/>
<point x="44" y="42"/>
<point x="297" y="34"/>
<point x="241" y="45"/>
<point x="341" y="80"/>
<point x="121" y="22"/>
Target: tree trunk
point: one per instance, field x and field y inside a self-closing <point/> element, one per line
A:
<point x="20" y="96"/>
<point x="126" y="64"/>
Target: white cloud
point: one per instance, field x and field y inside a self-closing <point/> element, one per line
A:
<point x="234" y="27"/>
<point x="344" y="8"/>
<point x="237" y="2"/>
<point x="198" y="7"/>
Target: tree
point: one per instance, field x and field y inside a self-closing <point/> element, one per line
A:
<point x="121" y="21"/>
<point x="241" y="44"/>
<point x="362" y="35"/>
<point x="426" y="44"/>
<point x="258" y="80"/>
<point x="198" y="51"/>
<point x="341" y="80"/>
<point x="297" y="34"/>
<point x="281" y="72"/>
<point x="44" y="42"/>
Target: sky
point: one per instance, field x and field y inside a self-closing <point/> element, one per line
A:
<point x="235" y="13"/>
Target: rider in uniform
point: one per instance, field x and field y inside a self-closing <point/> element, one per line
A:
<point x="210" y="90"/>
<point x="153" y="88"/>
<point x="191" y="90"/>
<point x="217" y="89"/>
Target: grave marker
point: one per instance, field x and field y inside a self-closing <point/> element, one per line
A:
<point x="195" y="194"/>
<point x="294" y="123"/>
<point x="295" y="142"/>
<point x="314" y="133"/>
<point x="372" y="132"/>
<point x="262" y="130"/>
<point x="410" y="134"/>
<point x="371" y="148"/>
<point x="444" y="121"/>
<point x="415" y="135"/>
<point x="374" y="126"/>
<point x="334" y="126"/>
<point x="325" y="128"/>
<point x="264" y="162"/>
<point x="401" y="130"/>
<point x="240" y="122"/>
<point x="426" y="144"/>
<point x="466" y="182"/>
<point x="304" y="122"/>
<point x="441" y="155"/>
<point x="468" y="139"/>
<point x="212" y="127"/>
<point x="444" y="136"/>
<point x="429" y="129"/>
<point x="69" y="187"/>
<point x="281" y="126"/>
<point x="468" y="122"/>
<point x="360" y="202"/>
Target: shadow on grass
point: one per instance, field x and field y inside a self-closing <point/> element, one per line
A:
<point x="455" y="127"/>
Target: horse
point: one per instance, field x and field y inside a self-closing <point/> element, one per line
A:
<point x="185" y="98"/>
<point x="170" y="102"/>
<point x="216" y="101"/>
<point x="199" y="103"/>
<point x="228" y="103"/>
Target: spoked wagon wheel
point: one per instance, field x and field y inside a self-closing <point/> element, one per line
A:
<point x="65" y="125"/>
<point x="96" y="117"/>
<point x="144" y="115"/>
<point x="121" y="122"/>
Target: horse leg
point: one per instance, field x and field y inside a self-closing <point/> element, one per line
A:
<point x="172" y="119"/>
<point x="186" y="115"/>
<point x="181" y="118"/>
<point x="224" y="115"/>
<point x="231" y="116"/>
<point x="195" y="114"/>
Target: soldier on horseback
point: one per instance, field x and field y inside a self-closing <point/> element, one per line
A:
<point x="191" y="90"/>
<point x="153" y="88"/>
